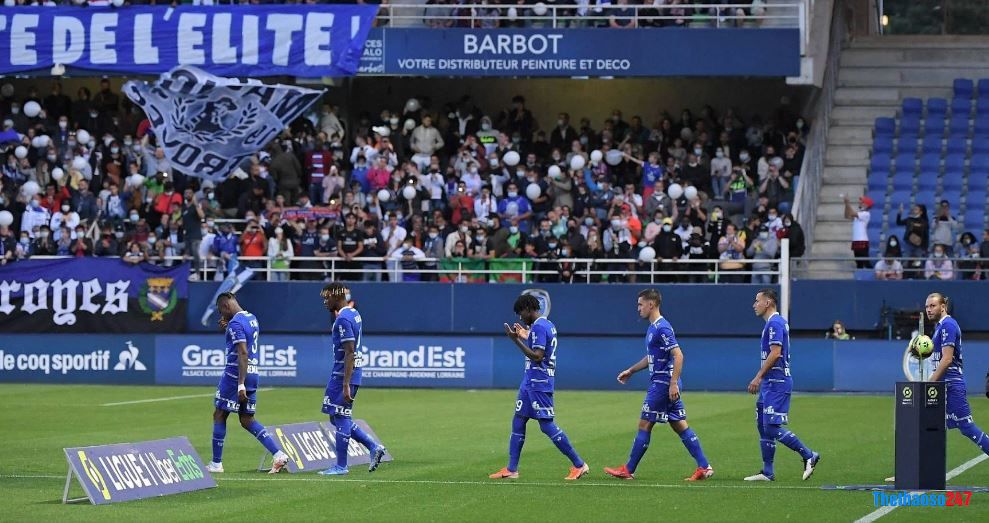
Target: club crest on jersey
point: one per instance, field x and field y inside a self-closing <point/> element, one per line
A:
<point x="158" y="297"/>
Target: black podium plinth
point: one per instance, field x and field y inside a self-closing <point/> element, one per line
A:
<point x="920" y="435"/>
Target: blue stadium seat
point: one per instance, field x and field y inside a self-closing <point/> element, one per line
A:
<point x="910" y="125"/>
<point x="885" y="126"/>
<point x="954" y="161"/>
<point x="902" y="181"/>
<point x="961" y="107"/>
<point x="953" y="196"/>
<point x="952" y="181"/>
<point x="907" y="143"/>
<point x="982" y="126"/>
<point x="927" y="181"/>
<point x="963" y="87"/>
<point x="983" y="87"/>
<point x="982" y="106"/>
<point x="934" y="126"/>
<point x="933" y="144"/>
<point x="874" y="233"/>
<point x="905" y="163"/>
<point x="912" y="106"/>
<point x="878" y="196"/>
<point x="977" y="180"/>
<point x="975" y="220"/>
<point x="959" y="125"/>
<point x="957" y="146"/>
<point x="927" y="200"/>
<point x="897" y="198"/>
<point x="865" y="274"/>
<point x="878" y="181"/>
<point x="980" y="146"/>
<point x="980" y="162"/>
<point x="930" y="162"/>
<point x="879" y="162"/>
<point x="882" y="145"/>
<point x="937" y="107"/>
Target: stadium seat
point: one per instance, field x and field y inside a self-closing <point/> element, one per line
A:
<point x="975" y="200"/>
<point x="882" y="145"/>
<point x="927" y="181"/>
<point x="865" y="274"/>
<point x="980" y="145"/>
<point x="933" y="144"/>
<point x="874" y="234"/>
<point x="878" y="180"/>
<point x="954" y="161"/>
<point x="907" y="143"/>
<point x="983" y="88"/>
<point x="959" y="125"/>
<point x="954" y="196"/>
<point x="982" y="126"/>
<point x="897" y="198"/>
<point x="910" y="125"/>
<point x="974" y="220"/>
<point x="980" y="162"/>
<point x="937" y="108"/>
<point x="913" y="106"/>
<point x="957" y="146"/>
<point x="905" y="163"/>
<point x="902" y="181"/>
<point x="878" y="196"/>
<point x="977" y="180"/>
<point x="934" y="126"/>
<point x="952" y="181"/>
<point x="879" y="162"/>
<point x="982" y="106"/>
<point x="963" y="88"/>
<point x="961" y="107"/>
<point x="930" y="162"/>
<point x="885" y="126"/>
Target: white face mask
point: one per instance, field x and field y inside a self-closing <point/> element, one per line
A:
<point x="667" y="228"/>
<point x="65" y="209"/>
<point x="512" y="194"/>
<point x="744" y="157"/>
<point x="63" y="125"/>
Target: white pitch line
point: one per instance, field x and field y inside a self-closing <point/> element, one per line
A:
<point x="170" y="398"/>
<point x="953" y="473"/>
<point x="617" y="484"/>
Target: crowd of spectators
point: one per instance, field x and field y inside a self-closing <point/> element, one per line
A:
<point x="83" y="175"/>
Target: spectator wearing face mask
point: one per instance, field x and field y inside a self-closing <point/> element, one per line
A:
<point x="224" y="248"/>
<point x="968" y="265"/>
<point x="280" y="253"/>
<point x="889" y="268"/>
<point x="720" y="174"/>
<point x="653" y="228"/>
<point x="461" y="234"/>
<point x="350" y="245"/>
<point x="698" y="248"/>
<point x="938" y="266"/>
<point x="792" y="230"/>
<point x="34" y="216"/>
<point x="515" y="208"/>
<point x="916" y="233"/>
<point x="731" y="249"/>
<point x="81" y="245"/>
<point x="425" y="141"/>
<point x="407" y="258"/>
<point x="860" y="235"/>
<point x="44" y="245"/>
<point x="107" y="244"/>
<point x="669" y="248"/>
<point x="764" y="248"/>
<point x="65" y="217"/>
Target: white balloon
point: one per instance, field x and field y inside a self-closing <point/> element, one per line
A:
<point x="675" y="191"/>
<point x="555" y="171"/>
<point x="9" y="3"/>
<point x="647" y="254"/>
<point x="540" y="9"/>
<point x="30" y="188"/>
<point x="596" y="156"/>
<point x="533" y="191"/>
<point x="20" y="151"/>
<point x="412" y="105"/>
<point x="383" y="195"/>
<point x="36" y="142"/>
<point x="614" y="157"/>
<point x="511" y="158"/>
<point x="136" y="180"/>
<point x="117" y="3"/>
<point x="513" y="13"/>
<point x="577" y="162"/>
<point x="408" y="192"/>
<point x="32" y="109"/>
<point x="6" y="218"/>
<point x="690" y="192"/>
<point x="44" y="140"/>
<point x="82" y="136"/>
<point x="58" y="174"/>
<point x="79" y="163"/>
<point x="410" y="124"/>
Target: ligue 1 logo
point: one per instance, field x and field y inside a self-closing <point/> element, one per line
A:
<point x="543" y="297"/>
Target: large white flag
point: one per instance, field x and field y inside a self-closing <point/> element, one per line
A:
<point x="208" y="124"/>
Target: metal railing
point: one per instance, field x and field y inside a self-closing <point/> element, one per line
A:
<point x="790" y="14"/>
<point x="812" y="170"/>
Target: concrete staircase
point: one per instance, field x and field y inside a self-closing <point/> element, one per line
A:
<point x="874" y="76"/>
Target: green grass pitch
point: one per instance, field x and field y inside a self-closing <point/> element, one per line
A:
<point x="445" y="443"/>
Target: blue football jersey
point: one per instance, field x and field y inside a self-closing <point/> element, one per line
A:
<point x="947" y="333"/>
<point x="347" y="327"/>
<point x="660" y="341"/>
<point x="777" y="332"/>
<point x="242" y="328"/>
<point x="540" y="377"/>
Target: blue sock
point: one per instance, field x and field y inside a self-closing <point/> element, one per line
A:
<point x="362" y="437"/>
<point x="974" y="433"/>
<point x="559" y="438"/>
<point x="344" y="427"/>
<point x="768" y="447"/>
<point x="259" y="432"/>
<point x="639" y="446"/>
<point x="792" y="442"/>
<point x="515" y="442"/>
<point x="219" y="433"/>
<point x="693" y="444"/>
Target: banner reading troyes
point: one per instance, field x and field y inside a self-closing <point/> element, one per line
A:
<point x="208" y="125"/>
<point x="103" y="295"/>
<point x="311" y="40"/>
<point x="129" y="471"/>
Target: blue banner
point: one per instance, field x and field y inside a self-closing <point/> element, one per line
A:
<point x="582" y="52"/>
<point x="305" y="360"/>
<point x="75" y="295"/>
<point x="311" y="40"/>
<point x="83" y="358"/>
<point x="129" y="471"/>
